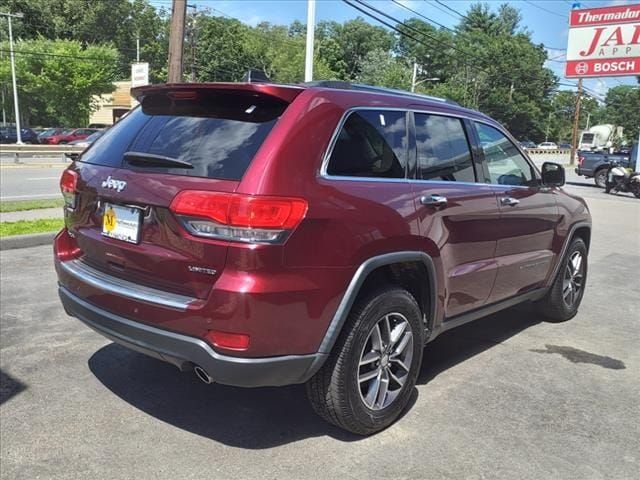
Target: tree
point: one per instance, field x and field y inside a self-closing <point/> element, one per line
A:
<point x="379" y="68"/>
<point x="57" y="79"/>
<point x="622" y="108"/>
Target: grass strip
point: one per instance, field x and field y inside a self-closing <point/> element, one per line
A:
<point x="24" y="227"/>
<point x="21" y="205"/>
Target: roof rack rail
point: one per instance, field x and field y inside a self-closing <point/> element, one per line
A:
<point x="371" y="88"/>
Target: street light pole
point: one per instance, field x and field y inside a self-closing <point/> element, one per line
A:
<point x="13" y="75"/>
<point x="311" y="28"/>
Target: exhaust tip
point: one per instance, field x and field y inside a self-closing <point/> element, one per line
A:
<point x="202" y="375"/>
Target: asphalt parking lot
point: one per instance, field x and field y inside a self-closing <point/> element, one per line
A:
<point x="508" y="396"/>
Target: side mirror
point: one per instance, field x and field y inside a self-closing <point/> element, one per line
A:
<point x="552" y="174"/>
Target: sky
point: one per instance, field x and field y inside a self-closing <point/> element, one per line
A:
<point x="547" y="20"/>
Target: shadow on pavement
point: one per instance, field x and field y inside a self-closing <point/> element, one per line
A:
<point x="9" y="387"/>
<point x="267" y="417"/>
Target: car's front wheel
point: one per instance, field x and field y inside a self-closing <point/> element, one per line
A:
<point x="368" y="379"/>
<point x="563" y="298"/>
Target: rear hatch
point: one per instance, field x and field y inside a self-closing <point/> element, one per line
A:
<point x="181" y="137"/>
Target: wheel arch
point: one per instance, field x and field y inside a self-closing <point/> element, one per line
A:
<point x="581" y="230"/>
<point x="413" y="270"/>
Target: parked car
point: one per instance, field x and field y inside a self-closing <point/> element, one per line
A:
<point x="527" y="144"/>
<point x="548" y="146"/>
<point x="85" y="142"/>
<point x="564" y="146"/>
<point x="10" y="135"/>
<point x="49" y="132"/>
<point x="596" y="164"/>
<point x="69" y="136"/>
<point x="266" y="235"/>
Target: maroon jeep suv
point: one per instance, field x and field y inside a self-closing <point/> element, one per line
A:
<point x="323" y="233"/>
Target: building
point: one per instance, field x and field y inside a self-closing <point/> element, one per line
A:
<point x="112" y="106"/>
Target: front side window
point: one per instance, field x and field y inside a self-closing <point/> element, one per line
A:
<point x="505" y="163"/>
<point x="443" y="150"/>
<point x="371" y="143"/>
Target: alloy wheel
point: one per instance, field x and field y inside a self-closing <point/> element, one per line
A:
<point x="573" y="279"/>
<point x="385" y="361"/>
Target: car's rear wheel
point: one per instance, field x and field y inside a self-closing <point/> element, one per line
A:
<point x="563" y="299"/>
<point x="368" y="379"/>
<point x="601" y="178"/>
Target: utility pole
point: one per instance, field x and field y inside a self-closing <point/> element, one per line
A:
<point x="137" y="47"/>
<point x="576" y="120"/>
<point x="311" y="28"/>
<point x="192" y="41"/>
<point x="13" y="74"/>
<point x="414" y="76"/>
<point x="176" y="41"/>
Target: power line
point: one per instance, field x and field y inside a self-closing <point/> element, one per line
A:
<point x="419" y="32"/>
<point x="423" y="16"/>
<point x="451" y="9"/>
<point x="546" y="9"/>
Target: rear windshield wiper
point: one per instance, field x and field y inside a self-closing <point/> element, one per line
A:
<point x="153" y="160"/>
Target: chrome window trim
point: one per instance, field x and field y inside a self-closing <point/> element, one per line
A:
<point x="125" y="288"/>
<point x="334" y="137"/>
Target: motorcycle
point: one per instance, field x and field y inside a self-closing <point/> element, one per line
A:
<point x="619" y="179"/>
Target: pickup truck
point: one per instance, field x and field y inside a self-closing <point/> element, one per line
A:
<point x="594" y="164"/>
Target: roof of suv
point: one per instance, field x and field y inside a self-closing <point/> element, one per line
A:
<point x="288" y="92"/>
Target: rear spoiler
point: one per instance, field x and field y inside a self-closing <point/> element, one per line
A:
<point x="286" y="93"/>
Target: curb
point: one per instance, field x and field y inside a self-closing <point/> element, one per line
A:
<point x="26" y="241"/>
<point x="34" y="165"/>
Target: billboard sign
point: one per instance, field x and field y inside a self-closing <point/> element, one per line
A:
<point x="139" y="74"/>
<point x="604" y="42"/>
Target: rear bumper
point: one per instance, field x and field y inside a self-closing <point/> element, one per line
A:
<point x="186" y="351"/>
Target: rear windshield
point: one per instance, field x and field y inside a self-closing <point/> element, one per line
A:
<point x="217" y="133"/>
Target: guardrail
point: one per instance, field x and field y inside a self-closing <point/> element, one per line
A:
<point x="557" y="151"/>
<point x="47" y="150"/>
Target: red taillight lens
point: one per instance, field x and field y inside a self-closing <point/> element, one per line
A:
<point x="65" y="246"/>
<point x="230" y="341"/>
<point x="266" y="212"/>
<point x="68" y="184"/>
<point x="239" y="217"/>
<point x="580" y="160"/>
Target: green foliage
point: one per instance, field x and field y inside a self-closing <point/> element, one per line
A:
<point x="58" y="79"/>
<point x="622" y="108"/>
<point x="21" y="205"/>
<point x="23" y="227"/>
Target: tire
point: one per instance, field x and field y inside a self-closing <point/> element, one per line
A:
<point x="62" y="143"/>
<point x="600" y="178"/>
<point x="555" y="305"/>
<point x="343" y="392"/>
<point x="635" y="189"/>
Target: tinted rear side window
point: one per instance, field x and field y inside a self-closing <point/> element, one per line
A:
<point x="217" y="133"/>
<point x="371" y="143"/>
<point x="443" y="150"/>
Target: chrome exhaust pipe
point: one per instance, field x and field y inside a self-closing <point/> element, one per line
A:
<point x="202" y="375"/>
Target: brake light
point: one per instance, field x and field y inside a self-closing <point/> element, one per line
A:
<point x="65" y="246"/>
<point x="68" y="184"/>
<point x="239" y="217"/>
<point x="580" y="160"/>
<point x="230" y="341"/>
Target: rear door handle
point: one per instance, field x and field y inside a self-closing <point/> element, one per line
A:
<point x="433" y="200"/>
<point x="509" y="201"/>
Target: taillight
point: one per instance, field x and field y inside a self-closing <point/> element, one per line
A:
<point x="65" y="246"/>
<point x="238" y="217"/>
<point x="580" y="160"/>
<point x="68" y="184"/>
